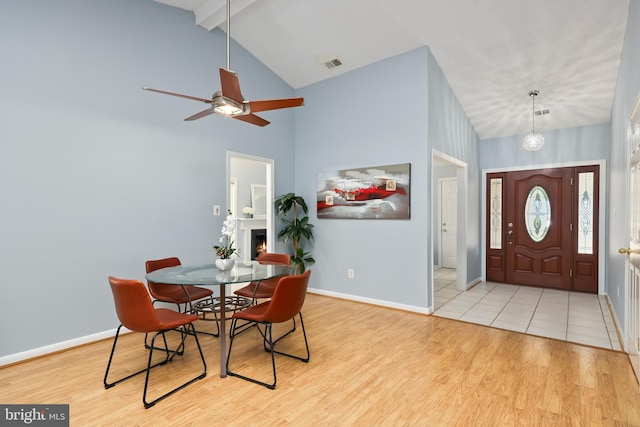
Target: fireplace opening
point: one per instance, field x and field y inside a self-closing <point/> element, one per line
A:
<point x="258" y="242"/>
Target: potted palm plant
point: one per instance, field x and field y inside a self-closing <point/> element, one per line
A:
<point x="288" y="207"/>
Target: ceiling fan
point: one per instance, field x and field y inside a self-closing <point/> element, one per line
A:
<point x="229" y="100"/>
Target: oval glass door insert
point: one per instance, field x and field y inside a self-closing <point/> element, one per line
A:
<point x="537" y="213"/>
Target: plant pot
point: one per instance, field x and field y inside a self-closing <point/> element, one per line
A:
<point x="225" y="264"/>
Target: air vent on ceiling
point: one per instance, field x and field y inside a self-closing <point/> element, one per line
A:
<point x="332" y="63"/>
<point x="541" y="112"/>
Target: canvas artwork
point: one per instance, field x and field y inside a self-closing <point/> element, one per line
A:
<point x="380" y="192"/>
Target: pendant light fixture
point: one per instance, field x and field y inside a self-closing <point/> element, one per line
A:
<point x="533" y="141"/>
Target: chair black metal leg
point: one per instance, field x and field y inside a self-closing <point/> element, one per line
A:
<point x="203" y="317"/>
<point x="146" y="345"/>
<point x="113" y="349"/>
<point x="290" y="331"/>
<point x="193" y="332"/>
<point x="269" y="345"/>
<point x="306" y="343"/>
<point x="170" y="354"/>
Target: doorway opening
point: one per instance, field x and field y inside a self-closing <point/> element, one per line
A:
<point x="245" y="174"/>
<point x="448" y="223"/>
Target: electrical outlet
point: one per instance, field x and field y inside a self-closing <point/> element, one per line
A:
<point x="216" y="210"/>
<point x="350" y="273"/>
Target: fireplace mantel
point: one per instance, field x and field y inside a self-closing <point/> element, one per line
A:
<point x="245" y="226"/>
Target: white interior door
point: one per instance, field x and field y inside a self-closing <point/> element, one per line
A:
<point x="449" y="222"/>
<point x="632" y="339"/>
<point x="632" y="291"/>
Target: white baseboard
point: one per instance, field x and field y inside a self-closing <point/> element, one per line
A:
<point x="620" y="332"/>
<point x="474" y="282"/>
<point x="64" y="345"/>
<point x="412" y="308"/>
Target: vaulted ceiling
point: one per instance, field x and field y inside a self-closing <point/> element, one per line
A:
<point x="492" y="52"/>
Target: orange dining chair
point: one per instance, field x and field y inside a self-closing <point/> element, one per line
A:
<point x="137" y="313"/>
<point x="178" y="295"/>
<point x="286" y="302"/>
<point x="171" y="293"/>
<point x="264" y="288"/>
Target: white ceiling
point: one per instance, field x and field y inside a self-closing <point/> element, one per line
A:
<point x="493" y="52"/>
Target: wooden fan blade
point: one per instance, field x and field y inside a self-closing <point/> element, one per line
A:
<point x="274" y="104"/>
<point x="200" y="115"/>
<point x="253" y="119"/>
<point x="230" y="85"/>
<point x="208" y="101"/>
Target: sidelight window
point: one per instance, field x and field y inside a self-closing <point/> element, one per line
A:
<point x="495" y="241"/>
<point x="585" y="213"/>
<point x="537" y="213"/>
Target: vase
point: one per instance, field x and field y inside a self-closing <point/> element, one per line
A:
<point x="225" y="264"/>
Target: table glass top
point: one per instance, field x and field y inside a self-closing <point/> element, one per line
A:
<point x="208" y="274"/>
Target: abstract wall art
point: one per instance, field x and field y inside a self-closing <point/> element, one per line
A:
<point x="379" y="192"/>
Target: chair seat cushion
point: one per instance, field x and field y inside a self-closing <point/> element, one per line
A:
<point x="255" y="313"/>
<point x="265" y="290"/>
<point x="170" y="319"/>
<point x="176" y="294"/>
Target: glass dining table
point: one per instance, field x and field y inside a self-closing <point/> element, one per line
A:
<point x="209" y="275"/>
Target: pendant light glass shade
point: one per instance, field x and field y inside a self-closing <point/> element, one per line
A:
<point x="533" y="141"/>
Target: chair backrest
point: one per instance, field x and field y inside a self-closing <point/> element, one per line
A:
<point x="157" y="264"/>
<point x="133" y="305"/>
<point x="273" y="258"/>
<point x="158" y="290"/>
<point x="288" y="298"/>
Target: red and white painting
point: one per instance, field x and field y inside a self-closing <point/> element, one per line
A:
<point x="380" y="192"/>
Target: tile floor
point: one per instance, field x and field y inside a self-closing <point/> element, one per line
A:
<point x="570" y="316"/>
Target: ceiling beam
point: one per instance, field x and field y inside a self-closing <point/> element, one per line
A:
<point x="213" y="13"/>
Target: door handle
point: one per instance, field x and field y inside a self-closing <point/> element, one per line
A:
<point x="628" y="251"/>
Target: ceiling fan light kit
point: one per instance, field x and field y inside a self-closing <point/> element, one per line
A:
<point x="229" y="101"/>
<point x="226" y="106"/>
<point x="533" y="141"/>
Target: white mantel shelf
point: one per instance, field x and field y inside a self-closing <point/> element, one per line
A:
<point x="246" y="225"/>
<point x="252" y="223"/>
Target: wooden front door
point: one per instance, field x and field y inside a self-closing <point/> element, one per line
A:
<point x="538" y="235"/>
<point x="542" y="228"/>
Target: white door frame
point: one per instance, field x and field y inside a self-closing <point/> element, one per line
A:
<point x="270" y="180"/>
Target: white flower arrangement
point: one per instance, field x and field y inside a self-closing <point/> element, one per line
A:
<point x="247" y="210"/>
<point x="226" y="249"/>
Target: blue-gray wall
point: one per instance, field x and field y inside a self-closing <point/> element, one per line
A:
<point x="374" y="116"/>
<point x="579" y="144"/>
<point x="97" y="175"/>
<point x="451" y="133"/>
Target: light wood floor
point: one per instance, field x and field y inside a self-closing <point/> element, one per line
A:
<point x="369" y="366"/>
